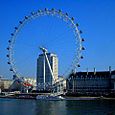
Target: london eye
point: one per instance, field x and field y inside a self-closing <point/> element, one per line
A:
<point x="40" y="13"/>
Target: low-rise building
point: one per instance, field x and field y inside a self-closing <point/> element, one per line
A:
<point x="23" y="84"/>
<point x="98" y="83"/>
<point x="5" y="84"/>
<point x="32" y="81"/>
<point x="60" y="85"/>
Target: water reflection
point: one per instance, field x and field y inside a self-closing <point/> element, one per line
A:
<point x="50" y="107"/>
<point x="35" y="107"/>
<point x="95" y="107"/>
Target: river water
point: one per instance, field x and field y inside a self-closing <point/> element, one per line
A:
<point x="36" y="107"/>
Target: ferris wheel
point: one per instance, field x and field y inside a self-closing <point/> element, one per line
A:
<point x="47" y="12"/>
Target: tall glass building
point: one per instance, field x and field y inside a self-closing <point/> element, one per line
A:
<point x="53" y="60"/>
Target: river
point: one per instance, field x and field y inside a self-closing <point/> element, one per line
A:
<point x="36" y="107"/>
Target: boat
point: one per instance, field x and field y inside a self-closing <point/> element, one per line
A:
<point x="49" y="97"/>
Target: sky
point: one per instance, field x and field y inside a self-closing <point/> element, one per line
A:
<point x="96" y="19"/>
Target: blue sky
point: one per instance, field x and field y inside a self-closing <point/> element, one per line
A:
<point x="96" y="19"/>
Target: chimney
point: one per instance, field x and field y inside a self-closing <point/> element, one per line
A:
<point x="94" y="70"/>
<point x="87" y="70"/>
<point x="110" y="69"/>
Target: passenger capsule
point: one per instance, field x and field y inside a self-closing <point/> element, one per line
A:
<point x="9" y="41"/>
<point x="72" y="18"/>
<point x="46" y="9"/>
<point x="81" y="57"/>
<point x="16" y="28"/>
<point x="59" y="10"/>
<point x="12" y="34"/>
<point x="77" y="24"/>
<point x="11" y="69"/>
<point x="39" y="10"/>
<point x="66" y="14"/>
<point x="32" y="13"/>
<point x="7" y="55"/>
<point x="8" y="62"/>
<point x="26" y="17"/>
<point x="78" y="65"/>
<point x="83" y="40"/>
<point x="8" y="48"/>
<point x="80" y="32"/>
<point x="20" y="22"/>
<point x="83" y="48"/>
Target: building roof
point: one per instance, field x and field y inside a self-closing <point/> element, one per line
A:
<point x="93" y="74"/>
<point x="52" y="54"/>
